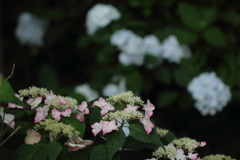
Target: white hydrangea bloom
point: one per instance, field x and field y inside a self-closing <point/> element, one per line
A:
<point x="173" y="51"/>
<point x="153" y="47"/>
<point x="112" y="89"/>
<point x="30" y="29"/>
<point x="87" y="91"/>
<point x="120" y="37"/>
<point x="210" y="93"/>
<point x="131" y="45"/>
<point x="100" y="16"/>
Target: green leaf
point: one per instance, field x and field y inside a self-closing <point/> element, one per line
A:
<point x="190" y="16"/>
<point x="48" y="78"/>
<point x="170" y="137"/>
<point x="138" y="132"/>
<point x="7" y="93"/>
<point x="73" y="121"/>
<point x="134" y="144"/>
<point x="95" y="115"/>
<point x="215" y="37"/>
<point x="79" y="156"/>
<point x="115" y="141"/>
<point x="166" y="98"/>
<point x="185" y="36"/>
<point x="32" y="152"/>
<point x="53" y="149"/>
<point x="134" y="81"/>
<point x="231" y="16"/>
<point x="99" y="153"/>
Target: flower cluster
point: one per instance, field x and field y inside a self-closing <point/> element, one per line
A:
<point x="30" y="29"/>
<point x="179" y="149"/>
<point x="100" y="16"/>
<point x="210" y="93"/>
<point x="134" y="48"/>
<point x="162" y="132"/>
<point x="217" y="157"/>
<point x="125" y="98"/>
<point x="112" y="120"/>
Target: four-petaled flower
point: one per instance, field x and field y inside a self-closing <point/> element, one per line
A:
<point x="56" y="114"/>
<point x="32" y="137"/>
<point x="34" y="102"/>
<point x="83" y="108"/>
<point x="67" y="112"/>
<point x="49" y="96"/>
<point x="149" y="107"/>
<point x="109" y="126"/>
<point x="148" y="125"/>
<point x="105" y="108"/>
<point x="202" y="144"/>
<point x="101" y="102"/>
<point x="77" y="143"/>
<point x="8" y="119"/>
<point x="130" y="108"/>
<point x="41" y="114"/>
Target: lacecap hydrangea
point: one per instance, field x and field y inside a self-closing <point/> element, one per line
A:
<point x="210" y="93"/>
<point x="100" y="16"/>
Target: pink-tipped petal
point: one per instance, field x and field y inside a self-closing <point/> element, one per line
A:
<point x="32" y="137"/>
<point x="62" y="101"/>
<point x="67" y="112"/>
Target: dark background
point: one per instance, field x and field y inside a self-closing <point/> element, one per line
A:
<point x="71" y="57"/>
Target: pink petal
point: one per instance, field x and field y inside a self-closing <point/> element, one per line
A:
<point x="80" y="117"/>
<point x="202" y="144"/>
<point x="62" y="101"/>
<point x="56" y="114"/>
<point x="83" y="106"/>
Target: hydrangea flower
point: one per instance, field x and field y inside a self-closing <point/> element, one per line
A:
<point x="173" y="51"/>
<point x="32" y="137"/>
<point x="8" y="118"/>
<point x="87" y="91"/>
<point x="148" y="125"/>
<point x="30" y="29"/>
<point x="210" y="93"/>
<point x="34" y="102"/>
<point x="131" y="46"/>
<point x="41" y="114"/>
<point x="100" y="16"/>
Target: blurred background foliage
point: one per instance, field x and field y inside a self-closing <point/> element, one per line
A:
<point x="71" y="57"/>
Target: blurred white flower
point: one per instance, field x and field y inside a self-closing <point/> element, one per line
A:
<point x="173" y="51"/>
<point x="210" y="93"/>
<point x="131" y="46"/>
<point x="153" y="47"/>
<point x="100" y="16"/>
<point x="112" y="88"/>
<point x="87" y="91"/>
<point x="30" y="29"/>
